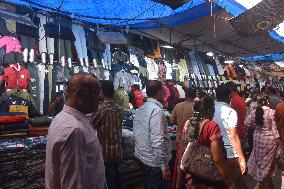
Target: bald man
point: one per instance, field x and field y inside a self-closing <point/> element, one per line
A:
<point x="73" y="154"/>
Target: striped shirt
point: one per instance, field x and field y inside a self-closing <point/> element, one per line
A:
<point x="152" y="141"/>
<point x="73" y="154"/>
<point x="107" y="120"/>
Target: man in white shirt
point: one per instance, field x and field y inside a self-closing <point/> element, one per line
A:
<point x="152" y="142"/>
<point x="227" y="119"/>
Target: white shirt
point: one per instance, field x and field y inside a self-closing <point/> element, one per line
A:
<point x="152" y="141"/>
<point x="226" y="117"/>
<point x="152" y="68"/>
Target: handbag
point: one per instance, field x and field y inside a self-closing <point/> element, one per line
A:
<point x="197" y="160"/>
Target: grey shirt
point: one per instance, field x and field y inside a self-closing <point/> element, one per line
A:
<point x="152" y="141"/>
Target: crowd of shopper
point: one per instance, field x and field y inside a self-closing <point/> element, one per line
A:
<point x="242" y="135"/>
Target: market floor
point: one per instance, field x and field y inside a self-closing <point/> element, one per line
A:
<point x="278" y="180"/>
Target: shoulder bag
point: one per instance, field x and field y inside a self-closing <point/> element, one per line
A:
<point x="197" y="160"/>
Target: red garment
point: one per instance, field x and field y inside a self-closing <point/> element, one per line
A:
<point x="177" y="95"/>
<point x="12" y="119"/>
<point x="166" y="96"/>
<point x="240" y="106"/>
<point x="139" y="99"/>
<point x="12" y="44"/>
<point x="17" y="76"/>
<point x="209" y="133"/>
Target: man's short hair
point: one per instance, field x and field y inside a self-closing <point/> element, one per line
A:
<point x="107" y="88"/>
<point x="222" y="93"/>
<point x="232" y="86"/>
<point x="153" y="87"/>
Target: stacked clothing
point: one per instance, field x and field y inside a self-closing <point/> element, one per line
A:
<point x="127" y="122"/>
<point x="22" y="162"/>
<point x="13" y="124"/>
<point x="130" y="171"/>
<point x="39" y="126"/>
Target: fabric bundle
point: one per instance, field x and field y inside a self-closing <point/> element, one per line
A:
<point x="39" y="126"/>
<point x="13" y="124"/>
<point x="22" y="162"/>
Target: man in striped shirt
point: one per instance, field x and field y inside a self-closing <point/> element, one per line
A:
<point x="73" y="154"/>
<point x="107" y="121"/>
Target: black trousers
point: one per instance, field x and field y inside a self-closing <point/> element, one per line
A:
<point x="112" y="175"/>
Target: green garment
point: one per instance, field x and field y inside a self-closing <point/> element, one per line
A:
<point x="121" y="98"/>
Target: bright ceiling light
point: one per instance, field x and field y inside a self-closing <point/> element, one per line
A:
<point x="167" y="46"/>
<point x="210" y="54"/>
<point x="248" y="3"/>
<point x="229" y="61"/>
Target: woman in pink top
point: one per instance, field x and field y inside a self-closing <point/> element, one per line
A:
<point x="266" y="140"/>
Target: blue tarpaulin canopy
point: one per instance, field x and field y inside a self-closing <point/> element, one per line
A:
<point x="149" y="16"/>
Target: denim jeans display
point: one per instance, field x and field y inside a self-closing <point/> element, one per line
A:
<point x="46" y="44"/>
<point x="22" y="162"/>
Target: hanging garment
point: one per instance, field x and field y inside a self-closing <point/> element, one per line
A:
<point x="183" y="69"/>
<point x="152" y="68"/>
<point x="204" y="65"/>
<point x="3" y="27"/>
<point x="124" y="80"/>
<point x="34" y="84"/>
<point x="134" y="60"/>
<point x="211" y="70"/>
<point x="194" y="63"/>
<point x="219" y="66"/>
<point x="12" y="58"/>
<point x="80" y="43"/>
<point x="17" y="76"/>
<point x="107" y="57"/>
<point x="169" y="71"/>
<point x="180" y="91"/>
<point x="199" y="63"/>
<point x="162" y="71"/>
<point x="11" y="44"/>
<point x="46" y="44"/>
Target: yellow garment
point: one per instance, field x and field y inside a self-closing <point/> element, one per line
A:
<point x="13" y="134"/>
<point x="19" y="108"/>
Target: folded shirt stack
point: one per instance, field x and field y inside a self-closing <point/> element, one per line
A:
<point x="39" y="126"/>
<point x="22" y="162"/>
<point x="13" y="124"/>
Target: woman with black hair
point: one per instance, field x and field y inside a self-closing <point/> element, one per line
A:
<point x="211" y="137"/>
<point x="266" y="141"/>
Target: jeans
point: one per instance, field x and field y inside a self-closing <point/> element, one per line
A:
<point x="112" y="175"/>
<point x="107" y="57"/>
<point x="154" y="177"/>
<point x="28" y="44"/>
<point x="34" y="84"/>
<point x="64" y="47"/>
<point x="46" y="44"/>
<point x="80" y="43"/>
<point x="41" y="76"/>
